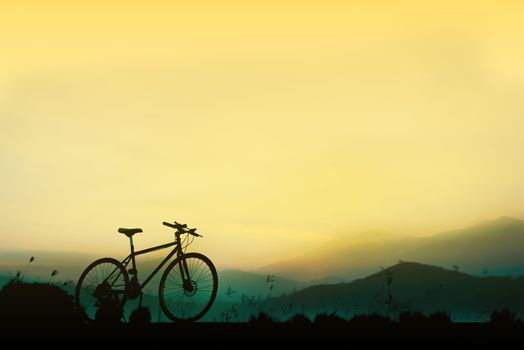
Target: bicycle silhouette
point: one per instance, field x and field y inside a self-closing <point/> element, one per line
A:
<point x="187" y="289"/>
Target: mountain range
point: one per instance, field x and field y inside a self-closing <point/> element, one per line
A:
<point x="410" y="286"/>
<point x="491" y="248"/>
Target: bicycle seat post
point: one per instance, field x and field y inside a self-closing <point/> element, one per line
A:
<point x="132" y="252"/>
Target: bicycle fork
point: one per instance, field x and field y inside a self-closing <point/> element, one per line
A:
<point x="184" y="272"/>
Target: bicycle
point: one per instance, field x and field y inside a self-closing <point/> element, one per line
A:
<point x="187" y="289"/>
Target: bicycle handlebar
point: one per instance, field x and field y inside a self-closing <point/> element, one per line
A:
<point x="176" y="225"/>
<point x="181" y="228"/>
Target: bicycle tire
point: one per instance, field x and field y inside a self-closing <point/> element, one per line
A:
<point x="203" y="274"/>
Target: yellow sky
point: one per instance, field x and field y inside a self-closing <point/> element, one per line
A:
<point x="270" y="125"/>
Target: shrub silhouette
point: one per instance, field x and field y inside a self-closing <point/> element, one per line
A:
<point x="262" y="318"/>
<point x="109" y="312"/>
<point x="330" y="320"/>
<point x="370" y="321"/>
<point x="36" y="305"/>
<point x="140" y="316"/>
<point x="412" y="319"/>
<point x="503" y="318"/>
<point x="300" y="320"/>
<point x="439" y="319"/>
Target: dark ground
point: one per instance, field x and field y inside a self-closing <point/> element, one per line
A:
<point x="252" y="334"/>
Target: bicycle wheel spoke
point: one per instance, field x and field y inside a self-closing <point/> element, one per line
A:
<point x="197" y="265"/>
<point x="202" y="299"/>
<point x="173" y="287"/>
<point x="90" y="280"/>
<point x="172" y="276"/>
<point x="203" y="271"/>
<point x="175" y="280"/>
<point x="175" y="293"/>
<point x="206" y="274"/>
<point x="176" y="299"/>
<point x="196" y="269"/>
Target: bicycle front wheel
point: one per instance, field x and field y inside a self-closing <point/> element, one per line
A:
<point x="191" y="300"/>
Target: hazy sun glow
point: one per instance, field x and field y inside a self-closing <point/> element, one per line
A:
<point x="272" y="126"/>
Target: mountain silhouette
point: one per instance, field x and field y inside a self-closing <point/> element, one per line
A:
<point x="413" y="287"/>
<point x="489" y="248"/>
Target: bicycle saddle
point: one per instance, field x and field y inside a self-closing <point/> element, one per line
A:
<point x="129" y="231"/>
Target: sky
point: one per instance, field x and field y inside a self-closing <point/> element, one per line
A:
<point x="273" y="127"/>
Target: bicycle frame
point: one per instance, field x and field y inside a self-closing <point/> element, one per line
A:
<point x="131" y="258"/>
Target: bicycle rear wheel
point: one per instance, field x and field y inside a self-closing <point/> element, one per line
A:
<point x="102" y="287"/>
<point x="190" y="301"/>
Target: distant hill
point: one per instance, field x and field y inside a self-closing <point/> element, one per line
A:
<point x="413" y="287"/>
<point x="491" y="248"/>
<point x="254" y="285"/>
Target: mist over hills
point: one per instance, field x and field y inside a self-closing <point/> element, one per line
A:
<point x="493" y="247"/>
<point x="490" y="248"/>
